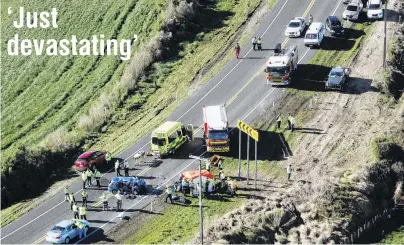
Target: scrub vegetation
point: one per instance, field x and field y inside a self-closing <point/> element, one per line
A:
<point x="60" y="106"/>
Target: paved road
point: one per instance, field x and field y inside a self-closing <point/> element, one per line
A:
<point x="240" y="84"/>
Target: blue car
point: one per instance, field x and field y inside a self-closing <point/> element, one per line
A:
<point x="65" y="231"/>
<point x="133" y="185"/>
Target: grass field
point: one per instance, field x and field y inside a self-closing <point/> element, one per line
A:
<point x="42" y="93"/>
<point x="54" y="92"/>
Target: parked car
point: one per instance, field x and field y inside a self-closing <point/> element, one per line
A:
<point x="296" y="27"/>
<point x="337" y="78"/>
<point x="132" y="185"/>
<point x="65" y="231"/>
<point x="89" y="158"/>
<point x="375" y="9"/>
<point x="334" y="26"/>
<point x="353" y="10"/>
<point x="314" y="35"/>
<point x="346" y="1"/>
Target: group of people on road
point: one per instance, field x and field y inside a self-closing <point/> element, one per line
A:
<point x="291" y="122"/>
<point x="87" y="175"/>
<point x="78" y="212"/>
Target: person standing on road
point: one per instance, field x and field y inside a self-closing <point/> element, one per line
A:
<point x="126" y="167"/>
<point x="169" y="191"/>
<point x="83" y="212"/>
<point x="117" y="168"/>
<point x="89" y="175"/>
<point x="254" y="42"/>
<point x="104" y="200"/>
<point x="72" y="200"/>
<point x="66" y="190"/>
<point x="80" y="228"/>
<point x="75" y="209"/>
<point x="118" y="201"/>
<point x="237" y="50"/>
<point x="289" y="171"/>
<point x="108" y="157"/>
<point x="97" y="176"/>
<point x="84" y="178"/>
<point x="259" y="43"/>
<point x="279" y="121"/>
<point x="84" y="196"/>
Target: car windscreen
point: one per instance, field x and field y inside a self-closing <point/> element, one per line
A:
<point x="311" y="36"/>
<point x="158" y="141"/>
<point x="58" y="229"/>
<point x="277" y="71"/>
<point x="335" y="23"/>
<point x="294" y="24"/>
<point x="352" y="8"/>
<point x="374" y="6"/>
<point x="336" y="74"/>
<point x="81" y="160"/>
<point x="218" y="134"/>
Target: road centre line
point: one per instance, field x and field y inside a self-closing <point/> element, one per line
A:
<point x="159" y="186"/>
<point x="149" y="142"/>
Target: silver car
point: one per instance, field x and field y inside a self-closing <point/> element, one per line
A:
<point x="65" y="231"/>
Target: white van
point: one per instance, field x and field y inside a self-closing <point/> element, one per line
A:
<point x="314" y="35"/>
<point x="375" y="9"/>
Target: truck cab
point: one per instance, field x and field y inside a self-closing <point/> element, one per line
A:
<point x="281" y="65"/>
<point x="169" y="137"/>
<point x="216" y="128"/>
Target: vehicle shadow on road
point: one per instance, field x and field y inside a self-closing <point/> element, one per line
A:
<point x="97" y="236"/>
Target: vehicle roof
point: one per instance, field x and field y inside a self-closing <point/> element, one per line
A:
<point x="86" y="154"/>
<point x="313" y="28"/>
<point x="374" y="1"/>
<point x="355" y="2"/>
<point x="216" y="116"/>
<point x="64" y="223"/>
<point x="333" y="18"/>
<point x="277" y="61"/>
<point x="337" y="69"/>
<point x="166" y="127"/>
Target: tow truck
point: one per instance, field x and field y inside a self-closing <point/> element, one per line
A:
<point x="281" y="65"/>
<point x="216" y="128"/>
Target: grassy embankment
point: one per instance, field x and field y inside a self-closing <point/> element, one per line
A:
<point x="41" y="94"/>
<point x="79" y="81"/>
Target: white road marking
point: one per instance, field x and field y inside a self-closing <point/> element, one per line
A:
<point x="335" y="10"/>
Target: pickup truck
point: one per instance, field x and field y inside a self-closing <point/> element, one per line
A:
<point x="337" y="78"/>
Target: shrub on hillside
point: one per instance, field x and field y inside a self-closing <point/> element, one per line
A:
<point x="31" y="172"/>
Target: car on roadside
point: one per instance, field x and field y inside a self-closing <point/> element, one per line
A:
<point x="353" y="10"/>
<point x="65" y="231"/>
<point x="334" y="26"/>
<point x="296" y="27"/>
<point x="346" y="1"/>
<point x="374" y="9"/>
<point x="337" y="78"/>
<point x="89" y="159"/>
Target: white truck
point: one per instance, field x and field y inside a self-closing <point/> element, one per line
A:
<point x="216" y="128"/>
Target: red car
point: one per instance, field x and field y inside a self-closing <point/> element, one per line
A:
<point x="89" y="159"/>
